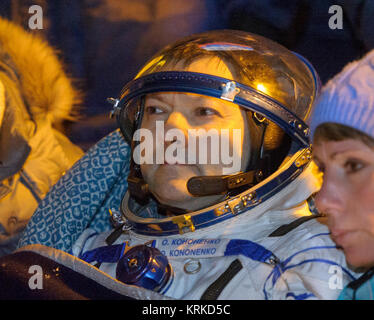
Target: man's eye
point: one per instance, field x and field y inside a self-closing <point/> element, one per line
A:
<point x="353" y="166"/>
<point x="203" y="112"/>
<point x="153" y="110"/>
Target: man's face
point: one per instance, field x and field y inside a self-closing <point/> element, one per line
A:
<point x="185" y="114"/>
<point x="346" y="196"/>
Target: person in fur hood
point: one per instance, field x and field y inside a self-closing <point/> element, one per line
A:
<point x="36" y="96"/>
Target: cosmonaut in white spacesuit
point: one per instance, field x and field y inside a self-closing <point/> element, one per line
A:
<point x="194" y="225"/>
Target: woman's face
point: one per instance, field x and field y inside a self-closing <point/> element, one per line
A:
<point x="347" y="196"/>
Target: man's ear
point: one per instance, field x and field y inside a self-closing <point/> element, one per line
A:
<point x="2" y="102"/>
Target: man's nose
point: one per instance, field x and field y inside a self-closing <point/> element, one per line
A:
<point x="176" y="129"/>
<point x="177" y="120"/>
<point x="330" y="198"/>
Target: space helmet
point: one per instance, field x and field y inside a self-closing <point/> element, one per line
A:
<point x="276" y="88"/>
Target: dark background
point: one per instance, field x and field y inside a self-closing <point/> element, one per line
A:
<point x="104" y="42"/>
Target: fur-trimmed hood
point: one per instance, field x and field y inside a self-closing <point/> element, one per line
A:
<point x="45" y="87"/>
<point x="35" y="93"/>
<point x="35" y="97"/>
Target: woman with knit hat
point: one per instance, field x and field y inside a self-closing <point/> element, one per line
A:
<point x="342" y="126"/>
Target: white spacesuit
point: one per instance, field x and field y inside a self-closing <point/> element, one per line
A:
<point x="258" y="237"/>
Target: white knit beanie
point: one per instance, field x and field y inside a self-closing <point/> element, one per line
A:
<point x="348" y="98"/>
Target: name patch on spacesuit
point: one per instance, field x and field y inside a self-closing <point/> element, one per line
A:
<point x="181" y="247"/>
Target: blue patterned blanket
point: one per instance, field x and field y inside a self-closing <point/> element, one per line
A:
<point x="82" y="197"/>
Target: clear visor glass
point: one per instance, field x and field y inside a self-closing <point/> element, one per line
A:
<point x="185" y="128"/>
<point x="251" y="60"/>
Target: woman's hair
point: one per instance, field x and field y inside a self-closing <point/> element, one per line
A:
<point x="330" y="131"/>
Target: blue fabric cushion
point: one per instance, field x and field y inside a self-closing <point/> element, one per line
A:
<point x="83" y="196"/>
